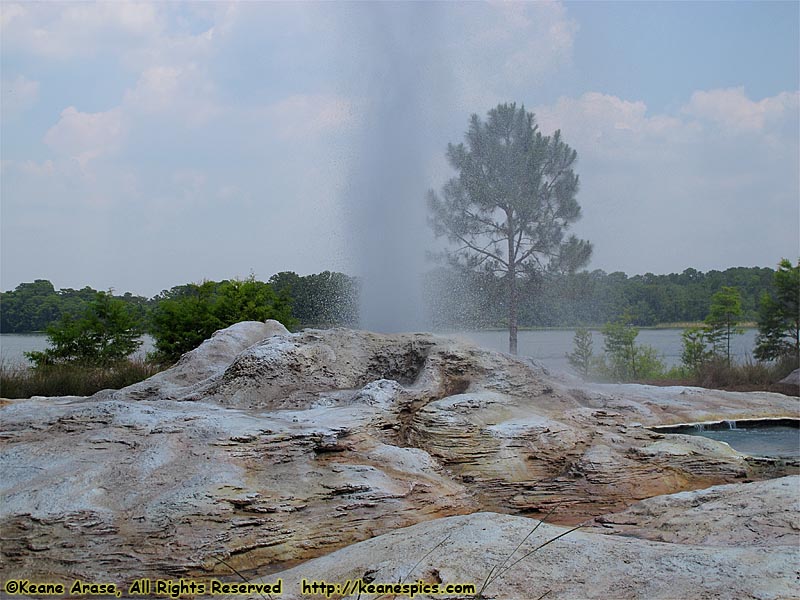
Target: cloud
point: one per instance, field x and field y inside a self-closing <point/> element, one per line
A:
<point x="309" y="115"/>
<point x="87" y="136"/>
<point x="732" y="109"/>
<point x="185" y="91"/>
<point x="64" y="30"/>
<point x="10" y="12"/>
<point x="18" y="94"/>
<point x="502" y="49"/>
<point x="690" y="186"/>
<point x="607" y="127"/>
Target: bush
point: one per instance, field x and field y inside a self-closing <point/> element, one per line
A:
<point x="625" y="360"/>
<point x="189" y="314"/>
<point x="717" y="373"/>
<point x="105" y="334"/>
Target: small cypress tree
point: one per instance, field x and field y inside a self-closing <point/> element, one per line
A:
<point x="722" y="320"/>
<point x="581" y="357"/>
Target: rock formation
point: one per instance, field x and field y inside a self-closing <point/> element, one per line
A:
<point x="262" y="449"/>
<point x="506" y="558"/>
<point x="789" y="384"/>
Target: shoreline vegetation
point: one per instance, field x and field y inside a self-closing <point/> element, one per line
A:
<point x="599" y="328"/>
<point x="21" y="381"/>
<point x="93" y="335"/>
<point x="455" y="300"/>
<point x="24" y="381"/>
<point x="593" y="328"/>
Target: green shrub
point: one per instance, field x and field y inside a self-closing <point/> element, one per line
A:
<point x="717" y="373"/>
<point x="187" y="315"/>
<point x="624" y="359"/>
<point x="106" y="333"/>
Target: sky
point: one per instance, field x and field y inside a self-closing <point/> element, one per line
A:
<point x="147" y="145"/>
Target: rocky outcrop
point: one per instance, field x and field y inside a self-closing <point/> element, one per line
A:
<point x="514" y="557"/>
<point x="263" y="448"/>
<point x="764" y="513"/>
<point x="203" y="363"/>
<point x="789" y="384"/>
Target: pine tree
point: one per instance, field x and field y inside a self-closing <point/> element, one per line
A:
<point x="779" y="316"/>
<point x="511" y="204"/>
<point x="581" y="357"/>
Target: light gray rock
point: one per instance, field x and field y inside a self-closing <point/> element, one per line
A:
<point x="789" y="385"/>
<point x="579" y="565"/>
<point x="263" y="448"/>
<point x="763" y="513"/>
<point x="792" y="378"/>
<point x="209" y="359"/>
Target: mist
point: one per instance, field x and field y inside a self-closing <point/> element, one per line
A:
<point x="398" y="58"/>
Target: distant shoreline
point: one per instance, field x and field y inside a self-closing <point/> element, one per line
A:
<point x="680" y="325"/>
<point x="683" y="325"/>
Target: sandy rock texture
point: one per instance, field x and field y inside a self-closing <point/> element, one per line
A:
<point x="763" y="513"/>
<point x="262" y="449"/>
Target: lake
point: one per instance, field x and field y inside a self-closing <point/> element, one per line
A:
<point x="545" y="346"/>
<point x="550" y="346"/>
<point x="13" y="345"/>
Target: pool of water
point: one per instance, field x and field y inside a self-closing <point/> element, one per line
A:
<point x="775" y="439"/>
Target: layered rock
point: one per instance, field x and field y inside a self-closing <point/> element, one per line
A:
<point x="763" y="513"/>
<point x="263" y="448"/>
<point x="508" y="556"/>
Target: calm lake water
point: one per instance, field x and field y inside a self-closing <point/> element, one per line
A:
<point x="12" y="346"/>
<point x="547" y="347"/>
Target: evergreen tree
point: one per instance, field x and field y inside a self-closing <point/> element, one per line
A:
<point x="725" y="314"/>
<point x="508" y="209"/>
<point x="779" y="316"/>
<point x="581" y="357"/>
<point x="695" y="350"/>
<point x="625" y="360"/>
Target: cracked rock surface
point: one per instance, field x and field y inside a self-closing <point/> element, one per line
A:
<point x="262" y="449"/>
<point x="506" y="558"/>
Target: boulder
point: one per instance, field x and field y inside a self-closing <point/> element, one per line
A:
<point x="789" y="384"/>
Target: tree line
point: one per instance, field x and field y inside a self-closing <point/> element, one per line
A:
<point x="321" y="300"/>
<point x="96" y="328"/>
<point x="467" y="299"/>
<point x="456" y="299"/>
<point x="706" y="354"/>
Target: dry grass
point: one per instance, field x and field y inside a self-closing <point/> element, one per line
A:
<point x="17" y="381"/>
<point x="749" y="376"/>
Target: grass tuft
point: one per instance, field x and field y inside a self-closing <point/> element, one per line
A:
<point x="19" y="381"/>
<point x="747" y="376"/>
